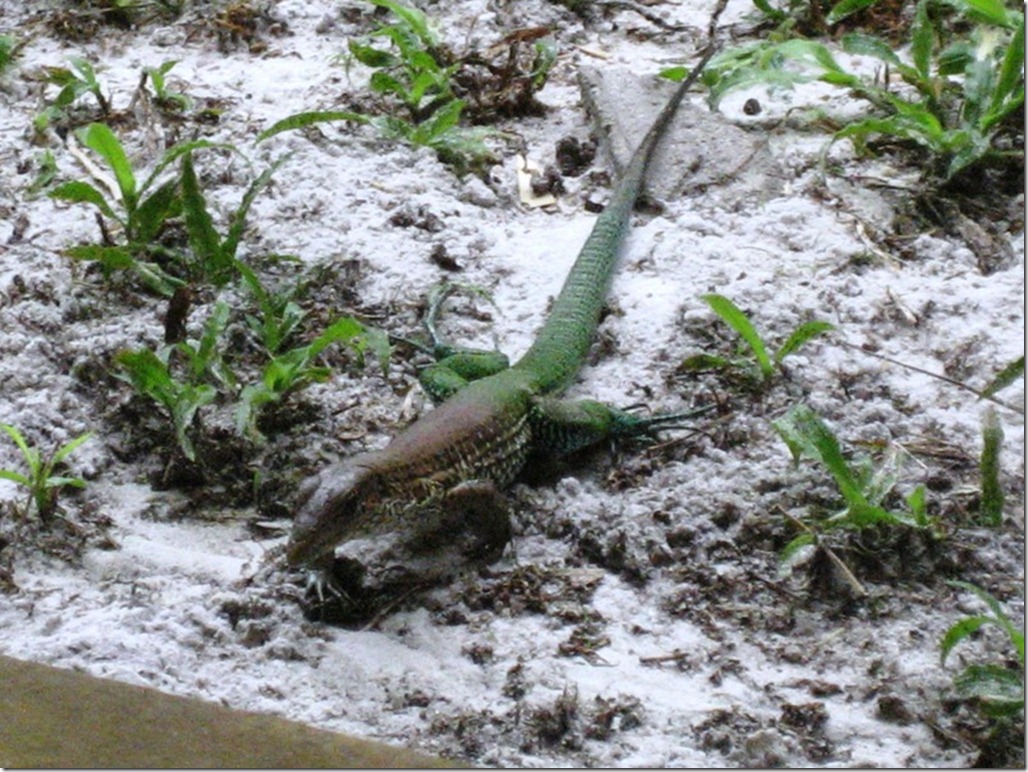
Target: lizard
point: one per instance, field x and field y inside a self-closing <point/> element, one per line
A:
<point x="448" y="469"/>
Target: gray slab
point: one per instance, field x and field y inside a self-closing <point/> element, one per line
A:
<point x="701" y="148"/>
<point x="59" y="718"/>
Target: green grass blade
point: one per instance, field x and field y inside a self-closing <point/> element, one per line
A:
<point x="999" y="616"/>
<point x="235" y="230"/>
<point x="19" y="440"/>
<point x="869" y="45"/>
<point x="922" y="40"/>
<point x="17" y="477"/>
<point x="62" y="482"/>
<point x="175" y="152"/>
<point x="341" y="331"/>
<point x="1011" y="72"/>
<point x="791" y="551"/>
<point x="78" y="192"/>
<point x="803" y="430"/>
<point x="918" y="507"/>
<point x="302" y="120"/>
<point x="153" y="211"/>
<point x="992" y="491"/>
<point x="415" y="20"/>
<point x="111" y="258"/>
<point x="989" y="11"/>
<point x="770" y="11"/>
<point x="800" y="336"/>
<point x="70" y="447"/>
<point x="1005" y="377"/>
<point x="99" y="138"/>
<point x="845" y="8"/>
<point x="992" y="684"/>
<point x="203" y="238"/>
<point x="145" y="372"/>
<point x="738" y="321"/>
<point x="959" y="632"/>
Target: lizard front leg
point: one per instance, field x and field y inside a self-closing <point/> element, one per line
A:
<point x="471" y="519"/>
<point x="560" y="426"/>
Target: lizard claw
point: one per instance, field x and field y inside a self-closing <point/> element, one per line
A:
<point x="321" y="583"/>
<point x="628" y="424"/>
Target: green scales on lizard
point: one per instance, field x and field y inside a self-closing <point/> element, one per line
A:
<point x="447" y="470"/>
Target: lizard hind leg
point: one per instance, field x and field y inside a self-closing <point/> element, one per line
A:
<point x="455" y="366"/>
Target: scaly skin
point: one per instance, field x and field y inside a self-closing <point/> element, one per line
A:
<point x="478" y="440"/>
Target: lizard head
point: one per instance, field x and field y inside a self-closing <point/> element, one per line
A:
<point x="331" y="508"/>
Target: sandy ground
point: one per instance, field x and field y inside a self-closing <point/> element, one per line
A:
<point x="641" y="618"/>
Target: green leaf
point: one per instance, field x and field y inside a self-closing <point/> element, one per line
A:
<point x="1005" y="377"/>
<point x="384" y="83"/>
<point x="806" y="434"/>
<point x="863" y="514"/>
<point x="99" y="138"/>
<point x="7" y="474"/>
<point x="175" y="152"/>
<point x="69" y="448"/>
<point x="238" y="223"/>
<point x="62" y="482"/>
<point x="371" y="56"/>
<point x="846" y="7"/>
<point x="922" y="40"/>
<point x="120" y="258"/>
<point x="377" y="341"/>
<point x="992" y="492"/>
<point x="922" y="128"/>
<point x="204" y="358"/>
<point x="958" y="632"/>
<point x="999" y="616"/>
<point x="992" y="684"/>
<point x="809" y="52"/>
<point x="30" y="456"/>
<point x="738" y="321"/>
<point x="770" y="11"/>
<point x="791" y="552"/>
<point x="1011" y="73"/>
<point x="341" y="331"/>
<point x="111" y="258"/>
<point x="868" y="45"/>
<point x="203" y="239"/>
<point x="415" y="20"/>
<point x="435" y="128"/>
<point x="800" y="336"/>
<point x="153" y="212"/>
<point x="149" y="375"/>
<point x="302" y="120"/>
<point x="989" y="11"/>
<point x="427" y="83"/>
<point x="85" y="70"/>
<point x="78" y="192"/>
<point x="184" y="412"/>
<point x="674" y="74"/>
<point x="918" y="507"/>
